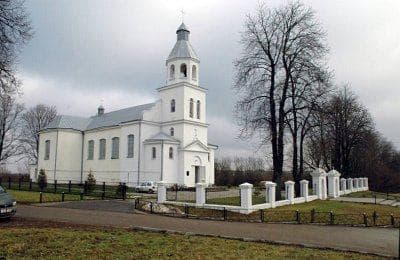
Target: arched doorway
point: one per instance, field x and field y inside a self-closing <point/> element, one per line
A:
<point x="199" y="170"/>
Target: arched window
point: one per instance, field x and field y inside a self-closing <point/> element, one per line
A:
<point x="183" y="70"/>
<point x="171" y="153"/>
<point x="172" y="105"/>
<point x="172" y="72"/>
<point x="102" y="149"/>
<point x="191" y="108"/>
<point x="47" y="150"/>
<point x="131" y="141"/>
<point x="115" y="148"/>
<point x="90" y="149"/>
<point x="153" y="153"/>
<point x="171" y="131"/>
<point x="194" y="72"/>
<point x="198" y="109"/>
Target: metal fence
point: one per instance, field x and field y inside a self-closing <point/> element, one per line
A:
<point x="373" y="219"/>
<point x="102" y="190"/>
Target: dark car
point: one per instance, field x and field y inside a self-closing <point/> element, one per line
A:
<point x="8" y="205"/>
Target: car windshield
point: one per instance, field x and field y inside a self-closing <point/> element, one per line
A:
<point x="1" y="190"/>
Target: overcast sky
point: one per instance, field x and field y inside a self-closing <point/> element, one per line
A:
<point x="86" y="51"/>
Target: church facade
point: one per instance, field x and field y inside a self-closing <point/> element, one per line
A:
<point x="161" y="141"/>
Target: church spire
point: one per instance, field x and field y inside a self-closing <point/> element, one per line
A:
<point x="183" y="32"/>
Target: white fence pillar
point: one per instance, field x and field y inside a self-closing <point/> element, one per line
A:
<point x="319" y="183"/>
<point x="161" y="192"/>
<point x="350" y="184"/>
<point x="289" y="188"/>
<point x="366" y="184"/>
<point x="304" y="189"/>
<point x="343" y="186"/>
<point x="333" y="183"/>
<point x="355" y="184"/>
<point x="246" y="193"/>
<point x="200" y="193"/>
<point x="270" y="188"/>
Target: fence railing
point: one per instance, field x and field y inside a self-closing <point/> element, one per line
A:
<point x="102" y="190"/>
<point x="373" y="219"/>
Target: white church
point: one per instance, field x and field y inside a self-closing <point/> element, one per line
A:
<point x="161" y="141"/>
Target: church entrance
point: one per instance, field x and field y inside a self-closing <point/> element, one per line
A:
<point x="197" y="173"/>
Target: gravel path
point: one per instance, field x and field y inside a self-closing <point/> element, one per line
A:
<point x="382" y="241"/>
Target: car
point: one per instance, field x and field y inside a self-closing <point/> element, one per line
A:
<point x="8" y="205"/>
<point x="147" y="186"/>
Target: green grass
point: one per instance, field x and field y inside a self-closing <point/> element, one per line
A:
<point x="50" y="243"/>
<point x="28" y="197"/>
<point x="234" y="201"/>
<point x="372" y="194"/>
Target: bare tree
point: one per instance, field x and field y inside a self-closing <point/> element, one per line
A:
<point x="15" y="31"/>
<point x="33" y="120"/>
<point x="276" y="43"/>
<point x="10" y="112"/>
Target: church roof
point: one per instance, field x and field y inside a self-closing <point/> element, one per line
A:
<point x="107" y="119"/>
<point x="162" y="137"/>
<point x="183" y="48"/>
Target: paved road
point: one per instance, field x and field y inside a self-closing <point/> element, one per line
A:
<point x="382" y="241"/>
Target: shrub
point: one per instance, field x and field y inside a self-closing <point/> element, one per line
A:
<point x="42" y="179"/>
<point x="121" y="190"/>
<point x="90" y="182"/>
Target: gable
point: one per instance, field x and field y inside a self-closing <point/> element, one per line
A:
<point x="196" y="146"/>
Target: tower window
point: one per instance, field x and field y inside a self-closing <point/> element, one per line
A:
<point x="183" y="70"/>
<point x="191" y="108"/>
<point x="47" y="150"/>
<point x="198" y="109"/>
<point x="153" y="153"/>
<point x="171" y="131"/>
<point x="194" y="72"/>
<point x="172" y="72"/>
<point x="171" y="153"/>
<point x="172" y="105"/>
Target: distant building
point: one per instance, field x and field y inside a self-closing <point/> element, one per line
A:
<point x="165" y="140"/>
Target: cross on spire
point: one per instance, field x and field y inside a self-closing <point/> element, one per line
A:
<point x="183" y="15"/>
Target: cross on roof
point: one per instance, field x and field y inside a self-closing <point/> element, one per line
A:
<point x="182" y="15"/>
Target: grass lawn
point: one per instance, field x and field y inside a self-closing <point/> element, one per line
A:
<point x="234" y="201"/>
<point x="114" y="243"/>
<point x="372" y="194"/>
<point x="27" y="197"/>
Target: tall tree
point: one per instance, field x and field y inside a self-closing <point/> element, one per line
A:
<point x="276" y="42"/>
<point x="10" y="112"/>
<point x="33" y="120"/>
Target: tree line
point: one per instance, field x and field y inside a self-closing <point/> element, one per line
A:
<point x="288" y="100"/>
<point x="18" y="126"/>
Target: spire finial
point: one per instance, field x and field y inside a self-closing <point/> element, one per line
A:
<point x="183" y="15"/>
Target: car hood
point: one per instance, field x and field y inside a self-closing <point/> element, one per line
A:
<point x="6" y="199"/>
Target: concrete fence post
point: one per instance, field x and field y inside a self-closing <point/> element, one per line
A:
<point x="200" y="193"/>
<point x="319" y="183"/>
<point x="333" y="183"/>
<point x="270" y="189"/>
<point x="161" y="192"/>
<point x="343" y="186"/>
<point x="304" y="189"/>
<point x="355" y="184"/>
<point x="350" y="185"/>
<point x="366" y="184"/>
<point x="246" y="193"/>
<point x="289" y="189"/>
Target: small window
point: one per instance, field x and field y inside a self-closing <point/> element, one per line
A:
<point x="187" y="173"/>
<point x="191" y="108"/>
<point x="198" y="109"/>
<point x="194" y="72"/>
<point x="115" y="148"/>
<point x="90" y="149"/>
<point x="153" y="153"/>
<point x="208" y="157"/>
<point x="102" y="149"/>
<point x="172" y="105"/>
<point x="47" y="150"/>
<point x="183" y="70"/>
<point x="131" y="141"/>
<point x="171" y="131"/>
<point x="172" y="72"/>
<point x="171" y="153"/>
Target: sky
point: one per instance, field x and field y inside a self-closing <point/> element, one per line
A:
<point x="86" y="51"/>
